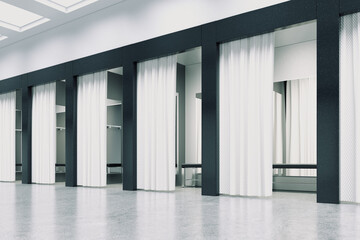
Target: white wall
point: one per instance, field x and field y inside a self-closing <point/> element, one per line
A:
<point x="295" y="61"/>
<point x="192" y="86"/>
<point x="128" y="22"/>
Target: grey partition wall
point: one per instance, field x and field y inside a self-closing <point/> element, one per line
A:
<point x="18" y="136"/>
<point x="114" y="127"/>
<point x="180" y="89"/>
<point x="60" y="131"/>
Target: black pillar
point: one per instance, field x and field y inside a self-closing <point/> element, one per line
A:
<point x="328" y="101"/>
<point x="71" y="128"/>
<point x="26" y="130"/>
<point x="210" y="109"/>
<point x="129" y="122"/>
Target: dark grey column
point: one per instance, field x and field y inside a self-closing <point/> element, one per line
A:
<point x="71" y="128"/>
<point x="129" y="123"/>
<point x="328" y="101"/>
<point x="210" y="109"/>
<point x="26" y="130"/>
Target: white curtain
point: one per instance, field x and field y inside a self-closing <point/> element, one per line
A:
<point x="43" y="141"/>
<point x="350" y="108"/>
<point x="156" y="94"/>
<point x="91" y="129"/>
<point x="246" y="116"/>
<point x="301" y="125"/>
<point x="7" y="136"/>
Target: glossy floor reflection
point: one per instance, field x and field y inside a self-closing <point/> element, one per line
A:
<point x="58" y="212"/>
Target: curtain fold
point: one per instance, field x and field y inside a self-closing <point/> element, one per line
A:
<point x="156" y="102"/>
<point x="301" y="125"/>
<point x="246" y="116"/>
<point x="350" y="108"/>
<point x="91" y="129"/>
<point x="7" y="136"/>
<point x="43" y="141"/>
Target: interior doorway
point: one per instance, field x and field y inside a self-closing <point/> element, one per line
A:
<point x="294" y="109"/>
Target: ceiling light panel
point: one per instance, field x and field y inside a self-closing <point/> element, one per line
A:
<point x="2" y="37"/>
<point x="18" y="19"/>
<point x="66" y="6"/>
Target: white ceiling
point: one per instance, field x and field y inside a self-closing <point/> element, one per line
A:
<point x="118" y="70"/>
<point x="190" y="57"/>
<point x="295" y="34"/>
<point x="56" y="17"/>
<point x="283" y="37"/>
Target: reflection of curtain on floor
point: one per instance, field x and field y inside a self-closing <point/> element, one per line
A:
<point x="246" y="88"/>
<point x="301" y="125"/>
<point x="7" y="136"/>
<point x="43" y="133"/>
<point x="91" y="129"/>
<point x="156" y="91"/>
<point x="350" y="108"/>
<point x="279" y="125"/>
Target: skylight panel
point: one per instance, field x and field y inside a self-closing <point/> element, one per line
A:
<point x="66" y="6"/>
<point x="18" y="19"/>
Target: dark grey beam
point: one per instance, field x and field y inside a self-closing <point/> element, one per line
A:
<point x="26" y="130"/>
<point x="210" y="112"/>
<point x="10" y="84"/>
<point x="71" y="128"/>
<point x="129" y="122"/>
<point x="349" y="6"/>
<point x="328" y="101"/>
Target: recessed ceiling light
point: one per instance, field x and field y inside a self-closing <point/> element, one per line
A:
<point x="2" y="37"/>
<point x="66" y="6"/>
<point x="18" y="19"/>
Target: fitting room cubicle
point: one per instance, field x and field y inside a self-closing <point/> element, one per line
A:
<point x="289" y="15"/>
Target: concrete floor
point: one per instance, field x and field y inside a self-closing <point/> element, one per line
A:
<point x="58" y="212"/>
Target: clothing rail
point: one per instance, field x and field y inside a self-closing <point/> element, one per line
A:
<point x="295" y="166"/>
<point x="56" y="164"/>
<point x="282" y="166"/>
<point x="191" y="165"/>
<point x="63" y="164"/>
<point x="114" y="165"/>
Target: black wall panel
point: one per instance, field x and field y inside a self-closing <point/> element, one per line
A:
<point x="47" y="75"/>
<point x="349" y="6"/>
<point x="164" y="45"/>
<point x="10" y="84"/>
<point x="210" y="110"/>
<point x="328" y="101"/>
<point x="71" y="127"/>
<point x="129" y="123"/>
<point x="26" y="130"/>
<point x="98" y="62"/>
